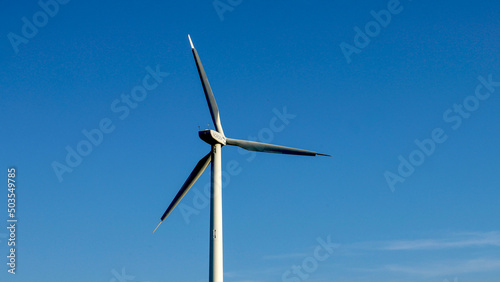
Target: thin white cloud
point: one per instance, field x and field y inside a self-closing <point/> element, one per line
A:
<point x="432" y="266"/>
<point x="460" y="240"/>
<point x="448" y="268"/>
<point x="475" y="257"/>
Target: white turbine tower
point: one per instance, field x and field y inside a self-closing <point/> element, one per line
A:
<point x="217" y="139"/>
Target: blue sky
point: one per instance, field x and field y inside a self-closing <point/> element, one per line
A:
<point x="405" y="99"/>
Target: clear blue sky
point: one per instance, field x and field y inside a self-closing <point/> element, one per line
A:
<point x="354" y="84"/>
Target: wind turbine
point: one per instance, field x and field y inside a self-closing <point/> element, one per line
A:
<point x="217" y="139"/>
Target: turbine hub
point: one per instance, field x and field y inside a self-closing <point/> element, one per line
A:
<point x="212" y="137"/>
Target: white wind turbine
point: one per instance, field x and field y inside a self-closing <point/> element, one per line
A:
<point x="217" y="139"/>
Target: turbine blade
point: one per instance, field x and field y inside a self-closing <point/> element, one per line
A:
<point x="270" y="148"/>
<point x="212" y="105"/>
<point x="195" y="174"/>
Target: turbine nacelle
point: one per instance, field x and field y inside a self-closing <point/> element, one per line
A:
<point x="212" y="137"/>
